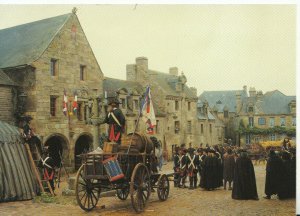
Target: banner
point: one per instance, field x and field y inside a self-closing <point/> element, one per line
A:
<point x="148" y="113"/>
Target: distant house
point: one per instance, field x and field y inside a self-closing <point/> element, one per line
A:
<point x="273" y="111"/>
<point x="250" y="117"/>
<point x="44" y="58"/>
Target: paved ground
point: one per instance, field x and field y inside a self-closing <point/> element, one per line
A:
<point x="180" y="202"/>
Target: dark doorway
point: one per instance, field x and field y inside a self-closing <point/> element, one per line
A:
<point x="82" y="145"/>
<point x="56" y="146"/>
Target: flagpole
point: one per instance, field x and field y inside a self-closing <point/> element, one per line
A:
<point x="138" y="119"/>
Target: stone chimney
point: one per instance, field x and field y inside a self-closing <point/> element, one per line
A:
<point x="245" y="88"/>
<point x="173" y="71"/>
<point x="252" y="92"/>
<point x="259" y="95"/>
<point x="194" y="90"/>
<point x="238" y="102"/>
<point x="131" y="72"/>
<point x="141" y="68"/>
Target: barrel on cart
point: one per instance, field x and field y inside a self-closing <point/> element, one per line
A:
<point x="130" y="171"/>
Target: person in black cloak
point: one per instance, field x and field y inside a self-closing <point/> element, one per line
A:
<point x="176" y="166"/>
<point x="244" y="182"/>
<point x="286" y="183"/>
<point x="116" y="121"/>
<point x="274" y="173"/>
<point x="228" y="170"/>
<point x="219" y="156"/>
<point x="209" y="178"/>
<point x="202" y="155"/>
<point x="293" y="173"/>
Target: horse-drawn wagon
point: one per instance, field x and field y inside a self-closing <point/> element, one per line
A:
<point x="129" y="171"/>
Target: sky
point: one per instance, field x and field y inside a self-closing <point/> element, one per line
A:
<point x="218" y="47"/>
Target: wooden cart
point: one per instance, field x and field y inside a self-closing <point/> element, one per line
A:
<point x="138" y="181"/>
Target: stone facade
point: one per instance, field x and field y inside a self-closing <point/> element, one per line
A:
<point x="76" y="71"/>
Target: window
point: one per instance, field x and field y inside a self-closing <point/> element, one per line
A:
<point x="251" y="121"/>
<point x="53" y="67"/>
<point x="189" y="127"/>
<point x="79" y="112"/>
<point x="294" y="121"/>
<point x="202" y="129"/>
<point x="248" y="139"/>
<point x="176" y="105"/>
<point x="157" y="126"/>
<point x="272" y="122"/>
<point x="123" y="101"/>
<point x="210" y="128"/>
<point x="261" y="121"/>
<point x="82" y="72"/>
<point x="189" y="106"/>
<point x="136" y="104"/>
<point x="53" y="105"/>
<point x="282" y="121"/>
<point x="250" y="109"/>
<point x="273" y="137"/>
<point x="226" y="114"/>
<point x="177" y="127"/>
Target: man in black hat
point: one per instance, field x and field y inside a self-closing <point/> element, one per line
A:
<point x="176" y="166"/>
<point x="48" y="165"/>
<point x="116" y="121"/>
<point x="182" y="167"/>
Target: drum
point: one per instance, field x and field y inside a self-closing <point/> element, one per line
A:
<point x="113" y="169"/>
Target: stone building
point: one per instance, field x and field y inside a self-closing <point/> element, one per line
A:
<point x="8" y="100"/>
<point x="211" y="127"/>
<point x="46" y="58"/>
<point x="266" y="117"/>
<point x="246" y="114"/>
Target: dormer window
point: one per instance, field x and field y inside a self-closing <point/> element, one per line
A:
<point x="225" y="113"/>
<point x="250" y="109"/>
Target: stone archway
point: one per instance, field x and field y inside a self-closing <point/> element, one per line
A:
<point x="83" y="144"/>
<point x="57" y="147"/>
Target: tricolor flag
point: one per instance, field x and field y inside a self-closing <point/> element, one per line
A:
<point x="75" y="105"/>
<point x="65" y="103"/>
<point x="148" y="114"/>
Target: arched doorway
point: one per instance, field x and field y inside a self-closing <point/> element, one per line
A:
<point x="83" y="144"/>
<point x="57" y="147"/>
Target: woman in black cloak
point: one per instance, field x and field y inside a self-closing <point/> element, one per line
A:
<point x="274" y="171"/>
<point x="210" y="177"/>
<point x="285" y="191"/>
<point x="244" y="182"/>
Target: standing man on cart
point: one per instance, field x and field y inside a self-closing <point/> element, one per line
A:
<point x="116" y="121"/>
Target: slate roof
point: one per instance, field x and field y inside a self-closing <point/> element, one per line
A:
<point x="5" y="80"/>
<point x="202" y="116"/>
<point x="273" y="102"/>
<point x="23" y="44"/>
<point x="168" y="83"/>
<point x="222" y="99"/>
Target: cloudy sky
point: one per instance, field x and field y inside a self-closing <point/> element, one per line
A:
<point x="218" y="47"/>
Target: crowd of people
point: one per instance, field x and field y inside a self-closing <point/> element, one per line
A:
<point x="231" y="167"/>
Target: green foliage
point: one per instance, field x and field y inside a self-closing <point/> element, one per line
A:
<point x="264" y="131"/>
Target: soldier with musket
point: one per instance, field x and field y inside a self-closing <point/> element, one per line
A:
<point x="176" y="166"/>
<point x="116" y="121"/>
<point x="182" y="167"/>
<point x="48" y="165"/>
<point x="192" y="167"/>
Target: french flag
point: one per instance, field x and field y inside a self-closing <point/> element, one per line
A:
<point x="65" y="103"/>
<point x="148" y="113"/>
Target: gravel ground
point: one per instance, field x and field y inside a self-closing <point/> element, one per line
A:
<point x="180" y="202"/>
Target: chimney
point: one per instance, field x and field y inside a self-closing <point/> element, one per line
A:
<point x="194" y="90"/>
<point x="141" y="68"/>
<point x="131" y="72"/>
<point x="252" y="92"/>
<point x="238" y="102"/>
<point x="259" y="95"/>
<point x="173" y="71"/>
<point x="245" y="88"/>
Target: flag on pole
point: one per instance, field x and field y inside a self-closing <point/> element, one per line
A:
<point x="75" y="105"/>
<point x="147" y="112"/>
<point x="65" y="103"/>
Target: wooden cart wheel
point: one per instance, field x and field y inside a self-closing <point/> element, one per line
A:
<point x="163" y="187"/>
<point x="87" y="195"/>
<point x="123" y="193"/>
<point x="140" y="187"/>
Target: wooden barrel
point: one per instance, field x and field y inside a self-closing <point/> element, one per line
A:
<point x="138" y="141"/>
